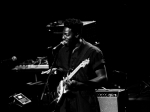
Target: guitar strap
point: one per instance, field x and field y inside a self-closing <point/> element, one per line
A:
<point x="82" y="55"/>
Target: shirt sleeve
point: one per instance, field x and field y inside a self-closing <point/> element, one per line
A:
<point x="97" y="60"/>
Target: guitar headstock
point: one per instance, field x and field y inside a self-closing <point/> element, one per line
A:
<point x="85" y="62"/>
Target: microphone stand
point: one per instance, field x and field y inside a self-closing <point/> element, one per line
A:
<point x="47" y="81"/>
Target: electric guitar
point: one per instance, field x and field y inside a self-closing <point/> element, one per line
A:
<point x="62" y="87"/>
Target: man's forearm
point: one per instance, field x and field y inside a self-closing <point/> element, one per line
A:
<point x="93" y="83"/>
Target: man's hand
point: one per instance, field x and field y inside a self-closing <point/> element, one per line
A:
<point x="70" y="84"/>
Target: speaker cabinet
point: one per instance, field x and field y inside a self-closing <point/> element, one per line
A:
<point x="111" y="100"/>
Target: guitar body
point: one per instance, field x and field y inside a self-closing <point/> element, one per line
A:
<point x="62" y="87"/>
<point x="60" y="90"/>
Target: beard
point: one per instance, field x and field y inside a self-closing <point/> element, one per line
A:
<point x="71" y="42"/>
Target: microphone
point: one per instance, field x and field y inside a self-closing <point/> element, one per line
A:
<point x="13" y="58"/>
<point x="60" y="45"/>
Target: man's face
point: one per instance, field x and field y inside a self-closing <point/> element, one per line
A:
<point x="68" y="35"/>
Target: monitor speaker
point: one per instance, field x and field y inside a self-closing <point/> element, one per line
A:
<point x="112" y="100"/>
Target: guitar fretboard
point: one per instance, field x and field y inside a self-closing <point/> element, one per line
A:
<point x="77" y="68"/>
<point x="74" y="72"/>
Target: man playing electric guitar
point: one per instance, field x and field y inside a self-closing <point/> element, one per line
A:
<point x="79" y="85"/>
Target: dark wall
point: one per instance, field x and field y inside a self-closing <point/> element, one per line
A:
<point x="121" y="31"/>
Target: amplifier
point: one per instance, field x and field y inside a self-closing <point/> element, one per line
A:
<point x="111" y="100"/>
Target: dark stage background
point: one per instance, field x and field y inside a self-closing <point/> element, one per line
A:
<point x="120" y="29"/>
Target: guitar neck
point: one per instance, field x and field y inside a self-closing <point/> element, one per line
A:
<point x="74" y="72"/>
